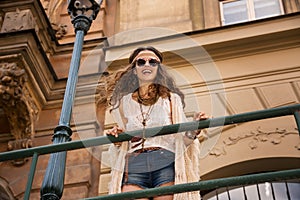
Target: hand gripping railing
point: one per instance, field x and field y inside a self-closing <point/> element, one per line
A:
<point x="169" y="129"/>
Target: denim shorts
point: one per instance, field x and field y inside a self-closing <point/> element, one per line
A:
<point x="149" y="169"/>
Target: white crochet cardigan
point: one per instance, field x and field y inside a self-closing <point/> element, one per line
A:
<point x="186" y="157"/>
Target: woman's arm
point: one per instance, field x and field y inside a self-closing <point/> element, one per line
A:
<point x="121" y="121"/>
<point x="178" y="116"/>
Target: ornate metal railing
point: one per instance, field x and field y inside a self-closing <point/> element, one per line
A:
<point x="169" y="129"/>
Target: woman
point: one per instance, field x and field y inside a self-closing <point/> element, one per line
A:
<point x="145" y="96"/>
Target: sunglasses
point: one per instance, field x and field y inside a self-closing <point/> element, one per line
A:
<point x="142" y="62"/>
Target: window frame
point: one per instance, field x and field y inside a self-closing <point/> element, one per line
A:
<point x="250" y="11"/>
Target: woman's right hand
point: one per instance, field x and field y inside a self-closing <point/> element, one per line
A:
<point x="115" y="131"/>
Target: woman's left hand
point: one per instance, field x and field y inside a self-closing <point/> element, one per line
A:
<point x="198" y="117"/>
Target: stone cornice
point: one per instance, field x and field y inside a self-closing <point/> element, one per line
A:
<point x="26" y="32"/>
<point x="24" y="47"/>
<point x="221" y="42"/>
<point x="38" y="19"/>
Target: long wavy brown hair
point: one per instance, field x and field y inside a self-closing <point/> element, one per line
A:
<point x="125" y="81"/>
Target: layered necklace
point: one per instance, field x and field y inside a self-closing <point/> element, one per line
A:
<point x="145" y="118"/>
<point x="145" y="115"/>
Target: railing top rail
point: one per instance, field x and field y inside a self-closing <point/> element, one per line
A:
<point x="169" y="129"/>
<point x="205" y="185"/>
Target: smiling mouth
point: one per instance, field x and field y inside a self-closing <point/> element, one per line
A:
<point x="147" y="71"/>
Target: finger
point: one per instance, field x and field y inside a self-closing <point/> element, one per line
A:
<point x="119" y="130"/>
<point x="116" y="134"/>
<point x="113" y="131"/>
<point x="196" y="115"/>
<point x="199" y="116"/>
<point x="110" y="132"/>
<point x="204" y="117"/>
<point x="202" y="114"/>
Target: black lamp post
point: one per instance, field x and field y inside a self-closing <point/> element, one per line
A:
<point x="82" y="13"/>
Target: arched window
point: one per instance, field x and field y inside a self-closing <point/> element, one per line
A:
<point x="288" y="190"/>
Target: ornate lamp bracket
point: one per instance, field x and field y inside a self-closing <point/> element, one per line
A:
<point x="82" y="13"/>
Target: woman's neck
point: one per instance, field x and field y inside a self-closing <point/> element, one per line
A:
<point x="144" y="89"/>
<point x="147" y="94"/>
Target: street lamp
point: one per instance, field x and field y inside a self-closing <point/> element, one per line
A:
<point x="82" y="13"/>
<point x="81" y="7"/>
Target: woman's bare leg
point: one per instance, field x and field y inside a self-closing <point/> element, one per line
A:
<point x="130" y="188"/>
<point x="166" y="197"/>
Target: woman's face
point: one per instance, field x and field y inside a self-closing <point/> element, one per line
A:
<point x="146" y="66"/>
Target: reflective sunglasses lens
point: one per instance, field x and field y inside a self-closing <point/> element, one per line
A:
<point x="153" y="62"/>
<point x="141" y="62"/>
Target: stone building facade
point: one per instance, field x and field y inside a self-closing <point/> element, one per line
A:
<point x="224" y="63"/>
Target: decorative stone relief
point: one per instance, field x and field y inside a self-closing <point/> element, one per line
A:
<point x="18" y="106"/>
<point x="17" y="21"/>
<point x="258" y="136"/>
<point x="60" y="30"/>
<point x="53" y="10"/>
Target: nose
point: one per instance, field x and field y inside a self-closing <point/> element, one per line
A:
<point x="147" y="63"/>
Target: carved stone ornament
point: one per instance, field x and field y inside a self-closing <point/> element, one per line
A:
<point x="53" y="10"/>
<point x="60" y="30"/>
<point x="18" y="106"/>
<point x="17" y="21"/>
<point x="258" y="136"/>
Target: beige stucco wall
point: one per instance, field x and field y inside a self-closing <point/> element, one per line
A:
<point x="169" y="14"/>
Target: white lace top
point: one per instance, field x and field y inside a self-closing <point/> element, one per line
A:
<point x="158" y="114"/>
